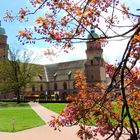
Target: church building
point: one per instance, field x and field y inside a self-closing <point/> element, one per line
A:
<point x="57" y="80"/>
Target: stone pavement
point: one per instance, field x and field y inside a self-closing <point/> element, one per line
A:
<point x="43" y="132"/>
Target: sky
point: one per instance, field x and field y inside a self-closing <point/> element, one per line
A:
<point x="112" y="52"/>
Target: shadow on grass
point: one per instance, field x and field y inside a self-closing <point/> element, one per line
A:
<point x="13" y="104"/>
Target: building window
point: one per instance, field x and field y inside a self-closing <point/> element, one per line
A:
<point x="55" y="86"/>
<point x="64" y="96"/>
<point x="65" y="86"/>
<point x="97" y="59"/>
<point x="41" y="87"/>
<point x="92" y="77"/>
<point x="91" y="62"/>
<point x="33" y="88"/>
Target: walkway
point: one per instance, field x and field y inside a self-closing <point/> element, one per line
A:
<point x="43" y="132"/>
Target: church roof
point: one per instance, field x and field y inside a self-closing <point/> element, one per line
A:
<point x="93" y="34"/>
<point x="2" y="30"/>
<point x="60" y="71"/>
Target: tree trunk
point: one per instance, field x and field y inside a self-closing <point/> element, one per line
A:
<point x="18" y="96"/>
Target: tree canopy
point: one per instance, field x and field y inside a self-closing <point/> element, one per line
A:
<point x="16" y="75"/>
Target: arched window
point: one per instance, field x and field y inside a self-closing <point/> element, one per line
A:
<point x="65" y="85"/>
<point x="33" y="88"/>
<point x="91" y="62"/>
<point x="64" y="96"/>
<point x="41" y="87"/>
<point x="55" y="86"/>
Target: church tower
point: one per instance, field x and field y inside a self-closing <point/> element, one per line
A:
<point x="94" y="65"/>
<point x="3" y="43"/>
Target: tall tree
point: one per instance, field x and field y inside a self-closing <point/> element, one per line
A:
<point x="16" y="75"/>
<point x="66" y="22"/>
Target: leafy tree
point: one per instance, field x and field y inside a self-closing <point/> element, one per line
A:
<point x="66" y="22"/>
<point x="16" y="75"/>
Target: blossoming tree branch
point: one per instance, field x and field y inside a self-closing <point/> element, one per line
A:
<point x="115" y="108"/>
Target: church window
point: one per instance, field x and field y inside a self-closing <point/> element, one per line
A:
<point x="91" y="62"/>
<point x="55" y="86"/>
<point x="41" y="87"/>
<point x="33" y="88"/>
<point x="97" y="59"/>
<point x="65" y="85"/>
<point x="64" y="96"/>
<point x="92" y="77"/>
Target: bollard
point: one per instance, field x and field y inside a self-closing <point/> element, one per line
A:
<point x="13" y="124"/>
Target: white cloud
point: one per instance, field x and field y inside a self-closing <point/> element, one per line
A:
<point x="37" y="55"/>
<point x="114" y="50"/>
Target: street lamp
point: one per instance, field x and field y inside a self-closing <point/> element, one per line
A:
<point x="69" y="77"/>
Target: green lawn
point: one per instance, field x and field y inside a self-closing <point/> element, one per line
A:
<point x="17" y="117"/>
<point x="56" y="107"/>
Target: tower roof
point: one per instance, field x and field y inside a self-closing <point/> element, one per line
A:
<point x="93" y="34"/>
<point x="2" y="30"/>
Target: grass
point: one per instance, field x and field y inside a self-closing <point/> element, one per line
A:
<point x="16" y="117"/>
<point x="56" y="107"/>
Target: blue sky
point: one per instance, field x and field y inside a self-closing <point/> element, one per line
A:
<point x="110" y="53"/>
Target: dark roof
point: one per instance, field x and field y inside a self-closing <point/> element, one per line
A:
<point x="61" y="70"/>
<point x="2" y="30"/>
<point x="93" y="33"/>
